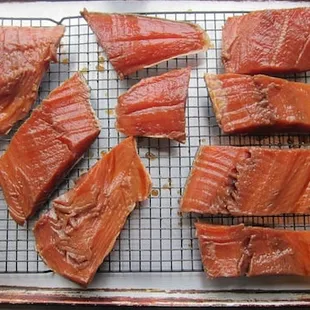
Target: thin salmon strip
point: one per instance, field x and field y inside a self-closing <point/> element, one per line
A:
<point x="267" y="41"/>
<point x="234" y="251"/>
<point x="155" y="107"/>
<point x="248" y="181"/>
<point x="75" y="236"/>
<point x="133" y="42"/>
<point x="25" y="55"/>
<point x="46" y="147"/>
<point x="259" y="103"/>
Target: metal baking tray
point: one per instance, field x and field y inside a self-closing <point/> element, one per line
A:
<point x="156" y="260"/>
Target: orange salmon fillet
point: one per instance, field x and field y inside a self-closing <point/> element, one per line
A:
<point x="244" y="103"/>
<point x="133" y="42"/>
<point x="248" y="181"/>
<point x="47" y="146"/>
<point x="233" y="251"/>
<point x="75" y="236"/>
<point x="25" y="54"/>
<point x="267" y="42"/>
<point x="155" y="107"/>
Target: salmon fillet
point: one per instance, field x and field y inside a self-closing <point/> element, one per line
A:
<point x="155" y="107"/>
<point x="25" y="54"/>
<point x="75" y="236"/>
<point x="233" y="251"/>
<point x="248" y="181"/>
<point x="244" y="103"/>
<point x="133" y="42"/>
<point x="46" y="146"/>
<point x="267" y="42"/>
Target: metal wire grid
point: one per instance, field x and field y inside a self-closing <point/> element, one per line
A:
<point x="156" y="236"/>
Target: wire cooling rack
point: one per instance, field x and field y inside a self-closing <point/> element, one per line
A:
<point x="156" y="236"/>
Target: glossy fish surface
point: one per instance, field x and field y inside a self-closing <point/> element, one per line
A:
<point x="155" y="107"/>
<point x="268" y="41"/>
<point x="248" y="181"/>
<point x="133" y="42"/>
<point x="25" y="55"/>
<point x="259" y="103"/>
<point x="234" y="251"/>
<point x="75" y="236"/>
<point x="47" y="146"/>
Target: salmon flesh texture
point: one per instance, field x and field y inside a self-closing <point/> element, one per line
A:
<point x="248" y="181"/>
<point x="259" y="103"/>
<point x="155" y="107"/>
<point x="25" y="54"/>
<point x="233" y="251"/>
<point x="75" y="236"/>
<point x="267" y="41"/>
<point x="133" y="42"/>
<point x="46" y="146"/>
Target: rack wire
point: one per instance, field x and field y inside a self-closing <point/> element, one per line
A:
<point x="156" y="236"/>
